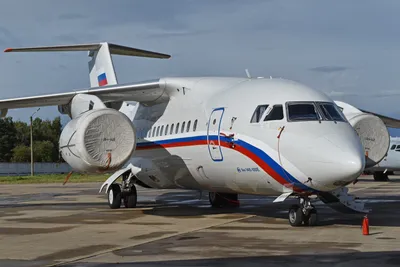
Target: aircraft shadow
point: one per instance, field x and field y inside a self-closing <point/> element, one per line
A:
<point x="384" y="212"/>
<point x="354" y="258"/>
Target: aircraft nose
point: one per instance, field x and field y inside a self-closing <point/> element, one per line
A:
<point x="343" y="163"/>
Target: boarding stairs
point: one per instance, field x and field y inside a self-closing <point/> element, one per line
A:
<point x="343" y="202"/>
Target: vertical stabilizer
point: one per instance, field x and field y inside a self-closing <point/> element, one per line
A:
<point x="101" y="67"/>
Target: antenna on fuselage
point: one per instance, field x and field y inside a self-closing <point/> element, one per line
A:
<point x="248" y="73"/>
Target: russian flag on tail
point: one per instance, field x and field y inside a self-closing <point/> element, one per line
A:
<point x="102" y="79"/>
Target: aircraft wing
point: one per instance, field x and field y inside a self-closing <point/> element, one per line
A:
<point x="140" y="92"/>
<point x="389" y="122"/>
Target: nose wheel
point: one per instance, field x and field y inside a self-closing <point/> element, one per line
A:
<point x="303" y="213"/>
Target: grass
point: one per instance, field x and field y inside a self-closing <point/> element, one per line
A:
<point x="53" y="178"/>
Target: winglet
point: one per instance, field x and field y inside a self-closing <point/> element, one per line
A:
<point x="8" y="50"/>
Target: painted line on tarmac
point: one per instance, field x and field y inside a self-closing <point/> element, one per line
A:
<point x="77" y="259"/>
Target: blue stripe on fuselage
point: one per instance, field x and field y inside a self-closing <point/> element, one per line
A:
<point x="256" y="151"/>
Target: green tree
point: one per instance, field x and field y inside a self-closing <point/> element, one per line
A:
<point x="46" y="130"/>
<point x="43" y="151"/>
<point x="23" y="133"/>
<point x="21" y="153"/>
<point x="7" y="139"/>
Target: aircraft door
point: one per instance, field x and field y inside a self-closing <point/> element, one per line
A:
<point x="213" y="134"/>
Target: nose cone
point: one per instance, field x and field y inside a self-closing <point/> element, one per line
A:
<point x="329" y="153"/>
<point x="341" y="160"/>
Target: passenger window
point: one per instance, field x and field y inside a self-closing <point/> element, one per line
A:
<point x="162" y="130"/>
<point x="275" y="114"/>
<point x="172" y="129"/>
<point x="183" y="127"/>
<point x="393" y="147"/>
<point x="258" y="113"/>
<point x="158" y="130"/>
<point x="302" y="112"/>
<point x="194" y="125"/>
<point x="166" y="129"/>
<point x="177" y="128"/>
<point x="154" y="131"/>
<point x="188" y="126"/>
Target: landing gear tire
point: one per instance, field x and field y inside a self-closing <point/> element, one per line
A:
<point x="220" y="200"/>
<point x="130" y="198"/>
<point x="311" y="218"/>
<point x="296" y="216"/>
<point x="114" y="196"/>
<point x="303" y="213"/>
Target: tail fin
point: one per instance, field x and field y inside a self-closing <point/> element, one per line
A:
<point x="101" y="68"/>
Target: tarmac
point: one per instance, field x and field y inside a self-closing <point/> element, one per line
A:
<point x="72" y="225"/>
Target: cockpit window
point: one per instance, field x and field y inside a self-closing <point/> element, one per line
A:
<point x="330" y="112"/>
<point x="302" y="112"/>
<point x="258" y="113"/>
<point x="393" y="147"/>
<point x="275" y="114"/>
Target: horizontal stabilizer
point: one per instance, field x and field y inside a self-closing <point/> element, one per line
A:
<point x="114" y="49"/>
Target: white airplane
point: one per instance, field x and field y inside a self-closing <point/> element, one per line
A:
<point x="389" y="164"/>
<point x="225" y="135"/>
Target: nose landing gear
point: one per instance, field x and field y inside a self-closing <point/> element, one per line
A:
<point x="304" y="212"/>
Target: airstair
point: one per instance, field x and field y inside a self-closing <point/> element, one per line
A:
<point x="343" y="202"/>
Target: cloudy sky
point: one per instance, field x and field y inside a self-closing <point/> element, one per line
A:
<point x="349" y="49"/>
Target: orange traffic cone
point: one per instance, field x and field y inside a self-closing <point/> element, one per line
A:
<point x="365" y="226"/>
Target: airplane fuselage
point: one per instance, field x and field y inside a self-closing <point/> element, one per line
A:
<point x="214" y="134"/>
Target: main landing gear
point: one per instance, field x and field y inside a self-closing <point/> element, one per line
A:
<point x="303" y="212"/>
<point x="220" y="200"/>
<point x="125" y="192"/>
<point x="382" y="176"/>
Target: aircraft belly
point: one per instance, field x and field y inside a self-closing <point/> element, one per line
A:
<point x="168" y="168"/>
<point x="191" y="167"/>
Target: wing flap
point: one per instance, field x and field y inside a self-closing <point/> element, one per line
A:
<point x="145" y="92"/>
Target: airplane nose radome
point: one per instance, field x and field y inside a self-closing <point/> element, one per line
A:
<point x="348" y="160"/>
<point x="351" y="166"/>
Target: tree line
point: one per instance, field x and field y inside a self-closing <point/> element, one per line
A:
<point x="15" y="140"/>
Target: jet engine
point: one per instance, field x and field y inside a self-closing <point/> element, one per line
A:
<point x="98" y="140"/>
<point x="372" y="131"/>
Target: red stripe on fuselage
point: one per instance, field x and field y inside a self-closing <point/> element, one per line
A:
<point x="263" y="165"/>
<point x="176" y="144"/>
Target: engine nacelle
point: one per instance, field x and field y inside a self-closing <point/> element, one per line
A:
<point x="99" y="140"/>
<point x="373" y="133"/>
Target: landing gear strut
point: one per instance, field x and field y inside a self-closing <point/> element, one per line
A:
<point x="303" y="212"/>
<point x="125" y="192"/>
<point x="381" y="176"/>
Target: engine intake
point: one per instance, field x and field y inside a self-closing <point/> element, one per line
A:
<point x="99" y="140"/>
<point x="372" y="131"/>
